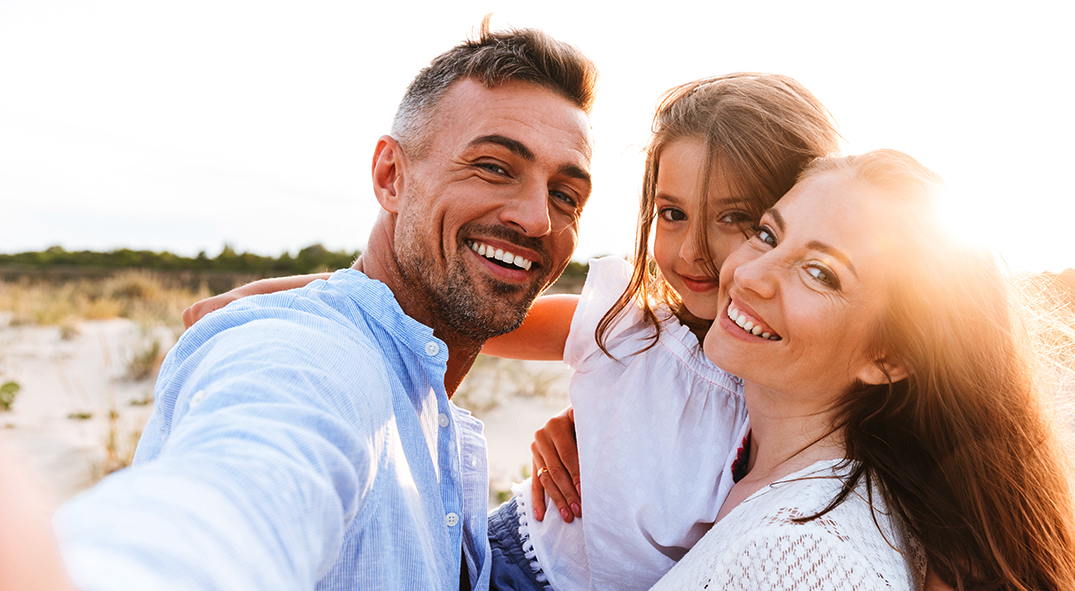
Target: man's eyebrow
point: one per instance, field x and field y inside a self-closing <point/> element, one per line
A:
<point x="519" y="149"/>
<point x="576" y="172"/>
<point x="515" y="146"/>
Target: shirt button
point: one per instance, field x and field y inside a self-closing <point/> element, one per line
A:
<point x="197" y="398"/>
<point x="442" y="419"/>
<point x="432" y="348"/>
<point x="451" y="519"/>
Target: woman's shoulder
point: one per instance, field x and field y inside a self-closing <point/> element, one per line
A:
<point x="769" y="541"/>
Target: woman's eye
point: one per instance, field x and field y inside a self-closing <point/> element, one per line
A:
<point x="765" y="235"/>
<point x="671" y="214"/>
<point x="823" y="275"/>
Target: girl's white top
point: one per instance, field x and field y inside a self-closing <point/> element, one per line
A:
<point x="757" y="546"/>
<point x="657" y="432"/>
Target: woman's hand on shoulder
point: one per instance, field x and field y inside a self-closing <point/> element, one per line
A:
<point x="556" y="467"/>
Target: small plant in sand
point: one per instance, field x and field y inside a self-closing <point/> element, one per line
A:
<point x="8" y="391"/>
<point x="145" y="361"/>
<point x="119" y="450"/>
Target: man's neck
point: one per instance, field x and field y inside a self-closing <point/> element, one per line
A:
<point x="461" y="351"/>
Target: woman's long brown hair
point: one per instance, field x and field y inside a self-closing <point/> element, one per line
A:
<point x="968" y="450"/>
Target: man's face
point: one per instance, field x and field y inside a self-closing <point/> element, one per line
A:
<point x="506" y="171"/>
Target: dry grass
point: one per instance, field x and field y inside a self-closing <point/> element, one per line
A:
<point x="137" y="295"/>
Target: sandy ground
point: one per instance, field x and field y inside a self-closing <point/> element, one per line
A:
<point x="85" y="376"/>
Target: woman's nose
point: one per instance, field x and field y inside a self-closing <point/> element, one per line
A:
<point x="758" y="275"/>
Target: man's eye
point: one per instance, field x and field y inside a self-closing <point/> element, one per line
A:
<point x="564" y="197"/>
<point x="492" y="167"/>
<point x="672" y="214"/>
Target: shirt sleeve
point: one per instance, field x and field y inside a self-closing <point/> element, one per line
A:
<point x="256" y="482"/>
<point x="606" y="281"/>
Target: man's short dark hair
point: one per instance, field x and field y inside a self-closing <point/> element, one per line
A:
<point x="494" y="58"/>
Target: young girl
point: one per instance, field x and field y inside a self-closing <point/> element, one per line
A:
<point x="652" y="412"/>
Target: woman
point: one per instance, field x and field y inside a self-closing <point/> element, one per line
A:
<point x="895" y="419"/>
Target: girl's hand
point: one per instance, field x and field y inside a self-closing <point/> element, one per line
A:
<point x="556" y="467"/>
<point x="198" y="311"/>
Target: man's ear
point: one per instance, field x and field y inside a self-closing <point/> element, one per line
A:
<point x="388" y="166"/>
<point x="882" y="371"/>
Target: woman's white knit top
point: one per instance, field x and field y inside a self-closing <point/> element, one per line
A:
<point x="759" y="547"/>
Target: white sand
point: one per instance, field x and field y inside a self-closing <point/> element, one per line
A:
<point x="87" y="374"/>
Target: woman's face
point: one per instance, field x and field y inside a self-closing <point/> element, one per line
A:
<point x="676" y="235"/>
<point x="806" y="289"/>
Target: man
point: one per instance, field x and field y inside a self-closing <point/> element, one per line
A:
<point x="305" y="439"/>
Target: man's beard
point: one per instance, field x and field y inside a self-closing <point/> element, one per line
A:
<point x="457" y="299"/>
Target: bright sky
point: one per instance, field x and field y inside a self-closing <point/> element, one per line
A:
<point x="183" y="126"/>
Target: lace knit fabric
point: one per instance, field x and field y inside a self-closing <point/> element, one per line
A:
<point x="758" y="546"/>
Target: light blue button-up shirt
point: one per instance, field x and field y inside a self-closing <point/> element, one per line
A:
<point x="299" y="440"/>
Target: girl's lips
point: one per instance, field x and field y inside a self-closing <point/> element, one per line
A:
<point x="699" y="284"/>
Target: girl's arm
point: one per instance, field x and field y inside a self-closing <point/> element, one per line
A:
<point x="542" y="336"/>
<point x="197" y="311"/>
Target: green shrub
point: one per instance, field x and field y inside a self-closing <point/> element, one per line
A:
<point x="7" y="394"/>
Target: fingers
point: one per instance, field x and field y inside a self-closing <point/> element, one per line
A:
<point x="200" y="309"/>
<point x="556" y="447"/>
<point x="188" y="317"/>
<point x="546" y="475"/>
<point x="537" y="491"/>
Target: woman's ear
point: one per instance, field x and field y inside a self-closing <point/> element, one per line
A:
<point x="388" y="166"/>
<point x="882" y="371"/>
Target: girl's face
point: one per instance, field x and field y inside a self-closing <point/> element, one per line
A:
<point x="807" y="290"/>
<point x="679" y="226"/>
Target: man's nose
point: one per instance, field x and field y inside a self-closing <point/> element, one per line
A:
<point x="529" y="210"/>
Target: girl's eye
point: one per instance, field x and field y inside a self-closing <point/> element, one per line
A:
<point x="737" y="218"/>
<point x="671" y="214"/>
<point x="765" y="235"/>
<point x="824" y="276"/>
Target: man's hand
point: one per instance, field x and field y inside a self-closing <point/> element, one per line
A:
<point x="556" y="467"/>
<point x="29" y="558"/>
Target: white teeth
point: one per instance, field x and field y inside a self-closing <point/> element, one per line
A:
<point x="748" y="325"/>
<point x="500" y="255"/>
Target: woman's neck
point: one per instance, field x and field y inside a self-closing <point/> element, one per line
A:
<point x="787" y="434"/>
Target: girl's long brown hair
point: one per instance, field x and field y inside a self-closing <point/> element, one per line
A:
<point x="762" y="129"/>
<point x="968" y="450"/>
